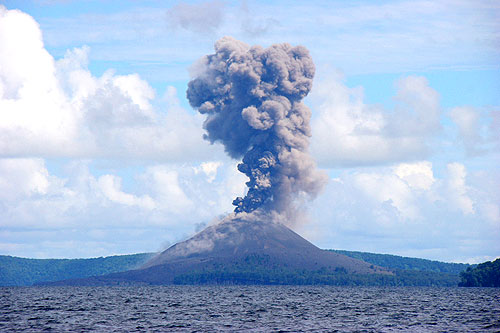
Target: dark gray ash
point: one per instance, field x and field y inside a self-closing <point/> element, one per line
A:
<point x="252" y="98"/>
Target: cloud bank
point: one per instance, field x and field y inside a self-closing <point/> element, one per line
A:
<point x="59" y="109"/>
<point x="412" y="209"/>
<point x="348" y="132"/>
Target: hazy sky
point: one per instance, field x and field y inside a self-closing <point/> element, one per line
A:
<point x="101" y="154"/>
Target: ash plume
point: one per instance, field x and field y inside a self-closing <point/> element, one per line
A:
<point x="252" y="98"/>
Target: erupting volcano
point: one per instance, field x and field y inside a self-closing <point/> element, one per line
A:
<point x="252" y="99"/>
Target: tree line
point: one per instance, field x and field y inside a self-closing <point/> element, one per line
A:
<point x="486" y="274"/>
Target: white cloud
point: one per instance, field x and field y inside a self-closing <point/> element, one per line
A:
<point x="491" y="213"/>
<point x="417" y="110"/>
<point x="406" y="209"/>
<point x="457" y="188"/>
<point x="31" y="196"/>
<point x="209" y="169"/>
<point x="161" y="195"/>
<point x="467" y="120"/>
<point x="23" y="178"/>
<point x="59" y="109"/>
<point x="348" y="132"/>
<point x="400" y="186"/>
<point x="118" y="119"/>
<point x="387" y="188"/>
<point x="111" y="187"/>
<point x="19" y="72"/>
<point x="477" y="130"/>
<point x="412" y="187"/>
<point x="138" y="90"/>
<point x="164" y="184"/>
<point x="34" y="110"/>
<point x="417" y="175"/>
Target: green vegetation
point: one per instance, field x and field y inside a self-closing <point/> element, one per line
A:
<point x="486" y="274"/>
<point x="404" y="263"/>
<point x="259" y="270"/>
<point x="281" y="277"/>
<point x="16" y="271"/>
<point x="252" y="270"/>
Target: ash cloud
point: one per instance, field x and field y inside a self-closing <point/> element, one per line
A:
<point x="252" y="98"/>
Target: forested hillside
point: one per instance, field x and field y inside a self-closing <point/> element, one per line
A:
<point x="406" y="263"/>
<point x="15" y="271"/>
<point x="486" y="274"/>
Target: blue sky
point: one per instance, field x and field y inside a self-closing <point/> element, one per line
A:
<point x="101" y="154"/>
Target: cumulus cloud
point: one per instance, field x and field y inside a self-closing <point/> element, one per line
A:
<point x="23" y="178"/>
<point x="408" y="209"/>
<point x="34" y="110"/>
<point x="58" y="108"/>
<point x="117" y="119"/>
<point x="418" y="175"/>
<point x="204" y="17"/>
<point x="31" y="196"/>
<point x="164" y="184"/>
<point x="348" y="132"/>
<point x="457" y="189"/>
<point x="399" y="187"/>
<point x="389" y="189"/>
<point x="405" y="185"/>
<point x="405" y="207"/>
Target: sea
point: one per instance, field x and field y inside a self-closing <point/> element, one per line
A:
<point x="249" y="309"/>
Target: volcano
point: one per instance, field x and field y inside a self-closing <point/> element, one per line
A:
<point x="237" y="251"/>
<point x="234" y="240"/>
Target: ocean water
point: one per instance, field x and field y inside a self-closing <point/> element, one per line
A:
<point x="249" y="308"/>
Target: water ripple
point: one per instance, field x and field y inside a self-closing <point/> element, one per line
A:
<point x="249" y="308"/>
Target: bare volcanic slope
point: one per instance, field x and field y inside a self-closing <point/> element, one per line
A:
<point x="235" y="240"/>
<point x="232" y="252"/>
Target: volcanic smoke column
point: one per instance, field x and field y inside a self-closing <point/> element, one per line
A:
<point x="253" y="101"/>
